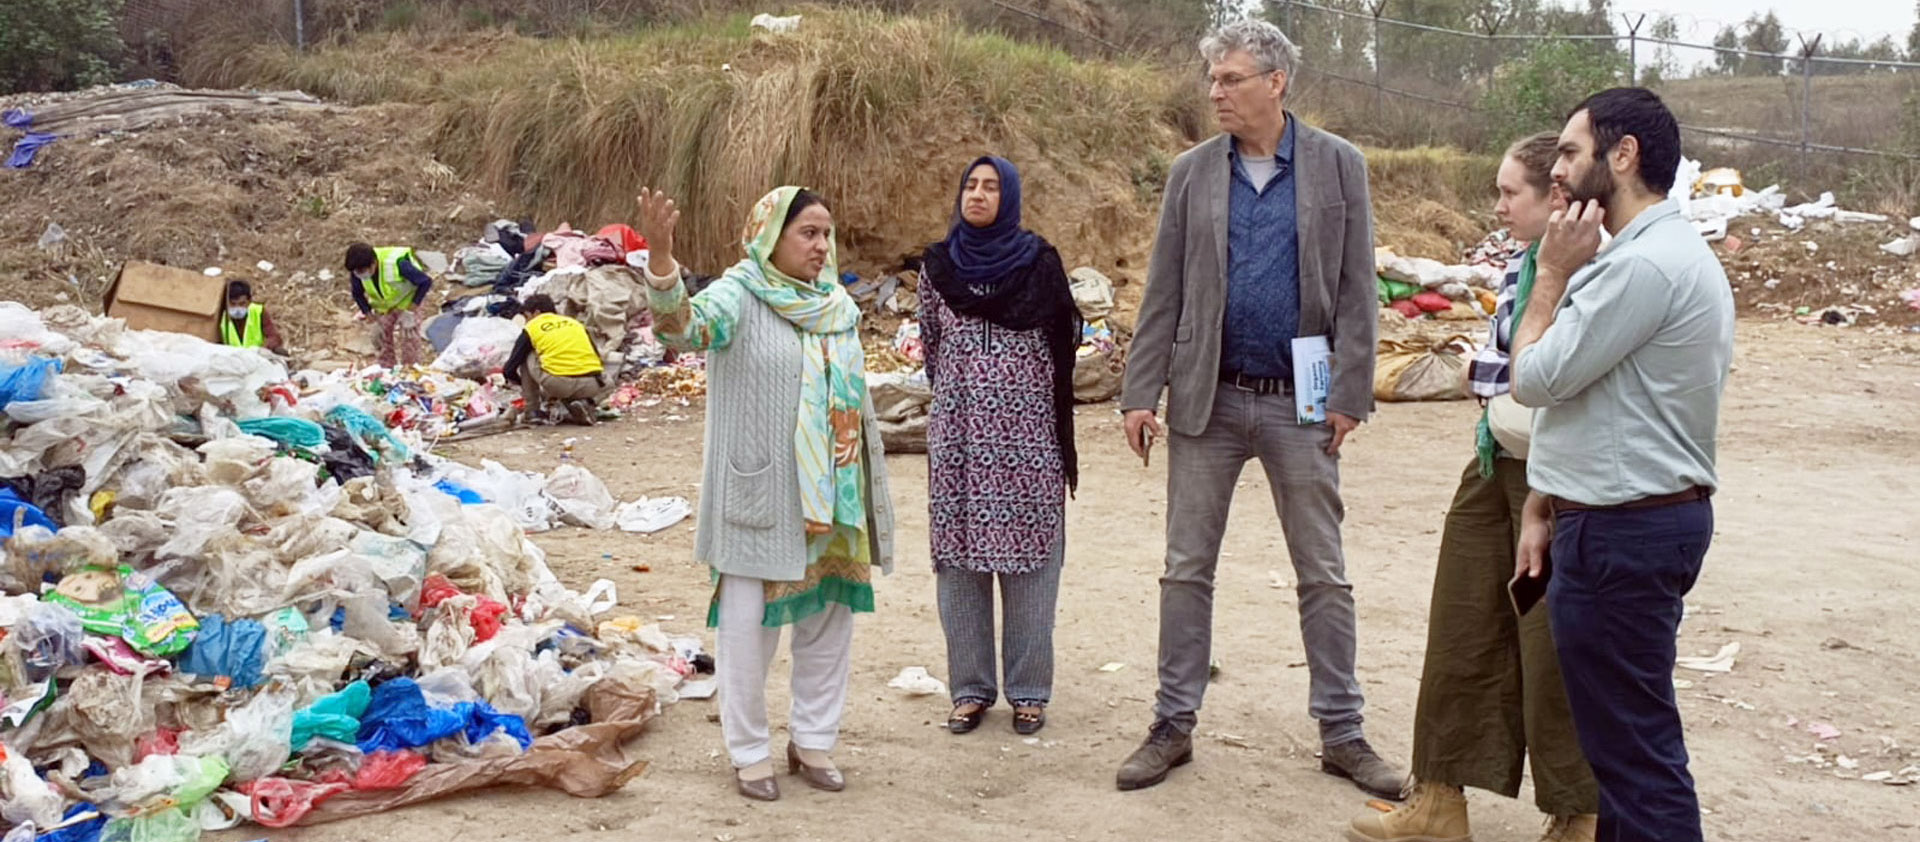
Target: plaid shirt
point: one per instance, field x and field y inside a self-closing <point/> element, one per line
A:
<point x="1488" y="374"/>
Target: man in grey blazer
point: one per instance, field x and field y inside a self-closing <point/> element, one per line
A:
<point x="1266" y="235"/>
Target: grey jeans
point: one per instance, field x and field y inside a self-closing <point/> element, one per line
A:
<point x="1201" y="473"/>
<point x="1027" y="611"/>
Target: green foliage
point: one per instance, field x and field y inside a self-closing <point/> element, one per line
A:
<point x="58" y="44"/>
<point x="400" y="16"/>
<point x="1764" y="35"/>
<point x="1534" y="92"/>
<point x="1726" y="63"/>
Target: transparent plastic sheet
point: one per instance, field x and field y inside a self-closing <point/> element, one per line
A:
<point x="21" y="328"/>
<point x="285" y="487"/>
<point x="580" y="497"/>
<point x="521" y="495"/>
<point x="199" y="515"/>
<point x="237" y="575"/>
<point x="232" y="461"/>
<point x="109" y="712"/>
<point x="366" y="502"/>
<point x="36" y="554"/>
<point x="314" y="667"/>
<point x="256" y="738"/>
<point x="27" y="797"/>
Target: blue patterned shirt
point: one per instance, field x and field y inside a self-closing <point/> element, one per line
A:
<point x="1263" y="269"/>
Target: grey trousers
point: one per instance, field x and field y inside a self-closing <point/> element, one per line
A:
<point x="1201" y="473"/>
<point x="1027" y="609"/>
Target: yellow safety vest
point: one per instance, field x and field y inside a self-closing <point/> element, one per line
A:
<point x="252" y="337"/>
<point x="386" y="289"/>
<point x="563" y="345"/>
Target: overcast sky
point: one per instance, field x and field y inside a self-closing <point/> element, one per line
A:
<point x="1841" y="20"/>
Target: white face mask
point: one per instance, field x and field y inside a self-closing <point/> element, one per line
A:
<point x="237" y="313"/>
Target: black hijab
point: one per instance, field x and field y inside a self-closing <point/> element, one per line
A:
<point x="1029" y="295"/>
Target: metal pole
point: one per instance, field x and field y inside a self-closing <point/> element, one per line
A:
<point x="1633" y="48"/>
<point x="299" y="25"/>
<point x="1379" y="59"/>
<point x="1806" y="101"/>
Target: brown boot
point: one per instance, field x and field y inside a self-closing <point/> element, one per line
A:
<point x="1434" y="813"/>
<point x="1166" y="747"/>
<point x="1355" y="760"/>
<point x="1579" y="828"/>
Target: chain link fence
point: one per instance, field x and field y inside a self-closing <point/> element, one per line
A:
<point x="1816" y="121"/>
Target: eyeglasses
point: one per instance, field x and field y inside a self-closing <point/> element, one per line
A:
<point x="1232" y="82"/>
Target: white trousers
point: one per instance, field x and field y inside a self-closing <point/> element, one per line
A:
<point x="822" y="659"/>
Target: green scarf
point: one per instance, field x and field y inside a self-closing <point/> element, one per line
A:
<point x="827" y="439"/>
<point x="1483" y="434"/>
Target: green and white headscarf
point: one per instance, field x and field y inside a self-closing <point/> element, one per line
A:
<point x="827" y="439"/>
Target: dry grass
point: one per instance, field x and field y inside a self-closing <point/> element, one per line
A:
<point x="1428" y="200"/>
<point x="863" y="107"/>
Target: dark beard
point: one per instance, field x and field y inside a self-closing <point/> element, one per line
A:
<point x="1597" y="186"/>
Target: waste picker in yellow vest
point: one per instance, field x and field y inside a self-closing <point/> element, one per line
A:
<point x="554" y="360"/>
<point x="246" y="324"/>
<point x="388" y="286"/>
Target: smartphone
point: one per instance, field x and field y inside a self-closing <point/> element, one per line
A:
<point x="1146" y="446"/>
<point x="1527" y="591"/>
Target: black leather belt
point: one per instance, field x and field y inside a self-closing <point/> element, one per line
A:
<point x="1256" y="385"/>
<point x="1696" y="493"/>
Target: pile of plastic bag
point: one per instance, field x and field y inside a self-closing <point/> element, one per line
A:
<point x="229" y="597"/>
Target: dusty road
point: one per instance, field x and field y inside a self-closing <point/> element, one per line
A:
<point x="1812" y="573"/>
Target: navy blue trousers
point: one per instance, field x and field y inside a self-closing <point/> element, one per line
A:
<point x="1615" y="600"/>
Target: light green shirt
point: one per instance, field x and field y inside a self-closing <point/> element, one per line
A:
<point x="1629" y="376"/>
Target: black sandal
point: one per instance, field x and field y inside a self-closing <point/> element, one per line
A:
<point x="1027" y="724"/>
<point x="964" y="723"/>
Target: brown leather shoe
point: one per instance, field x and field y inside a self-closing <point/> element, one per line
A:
<point x="1357" y="761"/>
<point x="759" y="789"/>
<point x="1166" y="748"/>
<point x="818" y="777"/>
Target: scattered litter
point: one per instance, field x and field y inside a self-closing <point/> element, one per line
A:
<point x="1234" y="740"/>
<point x="249" y="579"/>
<point x="1823" y="731"/>
<point x="1721" y="661"/>
<point x="1275" y="580"/>
<point x="770" y="23"/>
<point x="652" y="514"/>
<point x="1835" y="643"/>
<point x="1903" y="247"/>
<point x="264" y="266"/>
<point x="916" y="682"/>
<point x="1112" y="666"/>
<point x="211" y="271"/>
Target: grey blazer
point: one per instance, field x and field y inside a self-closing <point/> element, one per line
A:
<point x="1176" y="344"/>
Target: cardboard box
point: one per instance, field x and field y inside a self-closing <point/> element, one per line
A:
<point x="155" y="297"/>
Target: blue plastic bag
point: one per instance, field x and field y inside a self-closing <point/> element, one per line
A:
<point x="236" y="650"/>
<point x="28" y="381"/>
<point x="86" y="831"/>
<point x="460" y="492"/>
<point x="13" y="508"/>
<point x="398" y="717"/>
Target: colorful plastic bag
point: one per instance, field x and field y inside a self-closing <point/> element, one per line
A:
<point x="130" y="605"/>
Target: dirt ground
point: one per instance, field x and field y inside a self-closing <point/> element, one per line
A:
<point x="1811" y="573"/>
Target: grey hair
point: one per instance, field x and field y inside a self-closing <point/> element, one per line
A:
<point x="1260" y="39"/>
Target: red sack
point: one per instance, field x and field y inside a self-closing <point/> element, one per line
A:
<point x="388" y="769"/>
<point x="486" y="619"/>
<point x="1406" y="307"/>
<point x="435" y="590"/>
<point x="623" y="236"/>
<point x="1432" y="302"/>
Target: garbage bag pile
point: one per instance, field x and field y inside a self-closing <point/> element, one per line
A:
<point x="232" y="598"/>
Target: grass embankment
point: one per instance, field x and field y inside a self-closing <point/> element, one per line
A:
<point x="879" y="113"/>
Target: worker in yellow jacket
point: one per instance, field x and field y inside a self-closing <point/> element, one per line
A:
<point x="554" y="360"/>
<point x="388" y="287"/>
<point x="245" y="324"/>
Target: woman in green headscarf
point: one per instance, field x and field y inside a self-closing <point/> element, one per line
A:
<point x="793" y="506"/>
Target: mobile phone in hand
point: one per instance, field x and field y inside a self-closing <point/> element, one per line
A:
<point x="1146" y="446"/>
